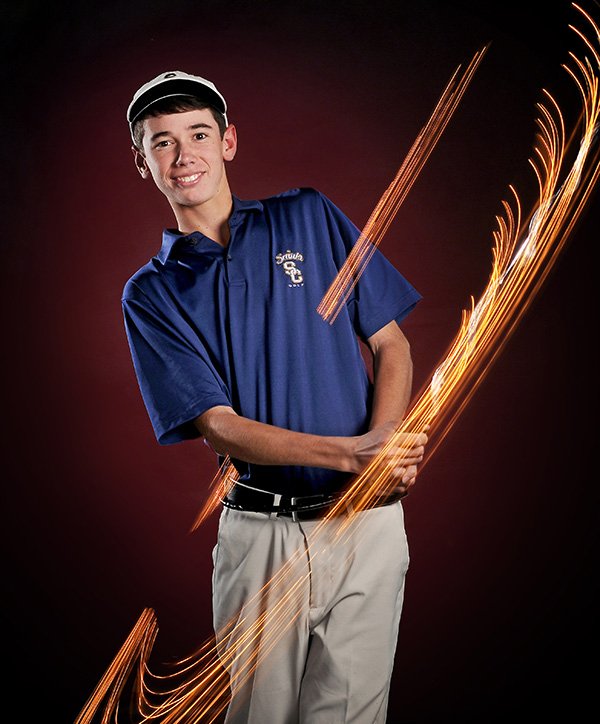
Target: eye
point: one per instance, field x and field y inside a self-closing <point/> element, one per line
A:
<point x="162" y="144"/>
<point x="199" y="136"/>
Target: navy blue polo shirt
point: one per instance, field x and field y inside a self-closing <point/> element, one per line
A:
<point x="238" y="325"/>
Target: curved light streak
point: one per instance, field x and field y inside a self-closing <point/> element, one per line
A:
<point x="523" y="255"/>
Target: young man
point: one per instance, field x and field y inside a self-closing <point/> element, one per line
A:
<point x="227" y="345"/>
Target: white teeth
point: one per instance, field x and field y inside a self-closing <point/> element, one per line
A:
<point x="188" y="179"/>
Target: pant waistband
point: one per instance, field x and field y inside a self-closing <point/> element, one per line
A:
<point x="307" y="507"/>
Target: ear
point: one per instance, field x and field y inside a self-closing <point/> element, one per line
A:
<point x="229" y="143"/>
<point x="140" y="162"/>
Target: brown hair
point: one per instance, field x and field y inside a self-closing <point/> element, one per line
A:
<point x="176" y="104"/>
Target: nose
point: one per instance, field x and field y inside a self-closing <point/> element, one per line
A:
<point x="185" y="156"/>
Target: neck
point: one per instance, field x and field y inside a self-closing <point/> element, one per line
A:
<point x="210" y="218"/>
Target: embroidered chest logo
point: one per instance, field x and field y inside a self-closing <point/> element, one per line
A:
<point x="289" y="263"/>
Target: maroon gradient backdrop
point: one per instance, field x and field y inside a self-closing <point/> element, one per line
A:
<point x="501" y="596"/>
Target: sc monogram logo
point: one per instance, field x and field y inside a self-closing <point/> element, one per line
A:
<point x="288" y="261"/>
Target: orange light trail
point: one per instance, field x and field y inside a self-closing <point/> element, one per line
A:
<point x="524" y="253"/>
<point x="220" y="485"/>
<point x="393" y="197"/>
<point x="523" y="256"/>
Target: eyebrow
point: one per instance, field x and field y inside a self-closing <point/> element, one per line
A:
<point x="189" y="128"/>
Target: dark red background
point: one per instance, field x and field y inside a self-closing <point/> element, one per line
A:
<point x="501" y="598"/>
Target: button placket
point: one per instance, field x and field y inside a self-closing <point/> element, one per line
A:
<point x="234" y="274"/>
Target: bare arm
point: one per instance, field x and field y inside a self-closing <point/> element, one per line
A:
<point x="262" y="444"/>
<point x="256" y="442"/>
<point x="392" y="371"/>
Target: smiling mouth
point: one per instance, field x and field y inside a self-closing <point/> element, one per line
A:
<point x="185" y="180"/>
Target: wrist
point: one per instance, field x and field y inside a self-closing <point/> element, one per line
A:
<point x="347" y="454"/>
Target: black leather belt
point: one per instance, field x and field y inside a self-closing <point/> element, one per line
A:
<point x="306" y="507"/>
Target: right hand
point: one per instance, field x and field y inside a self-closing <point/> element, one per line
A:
<point x="404" y="454"/>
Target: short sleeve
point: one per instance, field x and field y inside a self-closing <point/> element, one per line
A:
<point x="177" y="380"/>
<point x="381" y="293"/>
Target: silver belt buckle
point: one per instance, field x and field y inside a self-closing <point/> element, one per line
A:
<point x="294" y="512"/>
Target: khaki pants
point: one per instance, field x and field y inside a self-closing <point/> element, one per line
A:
<point x="307" y="613"/>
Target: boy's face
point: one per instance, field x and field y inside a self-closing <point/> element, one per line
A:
<point x="185" y="154"/>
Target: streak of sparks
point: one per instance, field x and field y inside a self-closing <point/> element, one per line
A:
<point x="523" y="255"/>
<point x="388" y="205"/>
<point x="220" y="486"/>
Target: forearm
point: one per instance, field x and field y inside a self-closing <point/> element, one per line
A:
<point x="262" y="444"/>
<point x="392" y="381"/>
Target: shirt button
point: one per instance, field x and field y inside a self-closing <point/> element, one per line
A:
<point x="229" y="257"/>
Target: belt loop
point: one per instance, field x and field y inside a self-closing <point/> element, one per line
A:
<point x="276" y="502"/>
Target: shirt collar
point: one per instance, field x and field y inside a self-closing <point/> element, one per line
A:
<point x="172" y="237"/>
